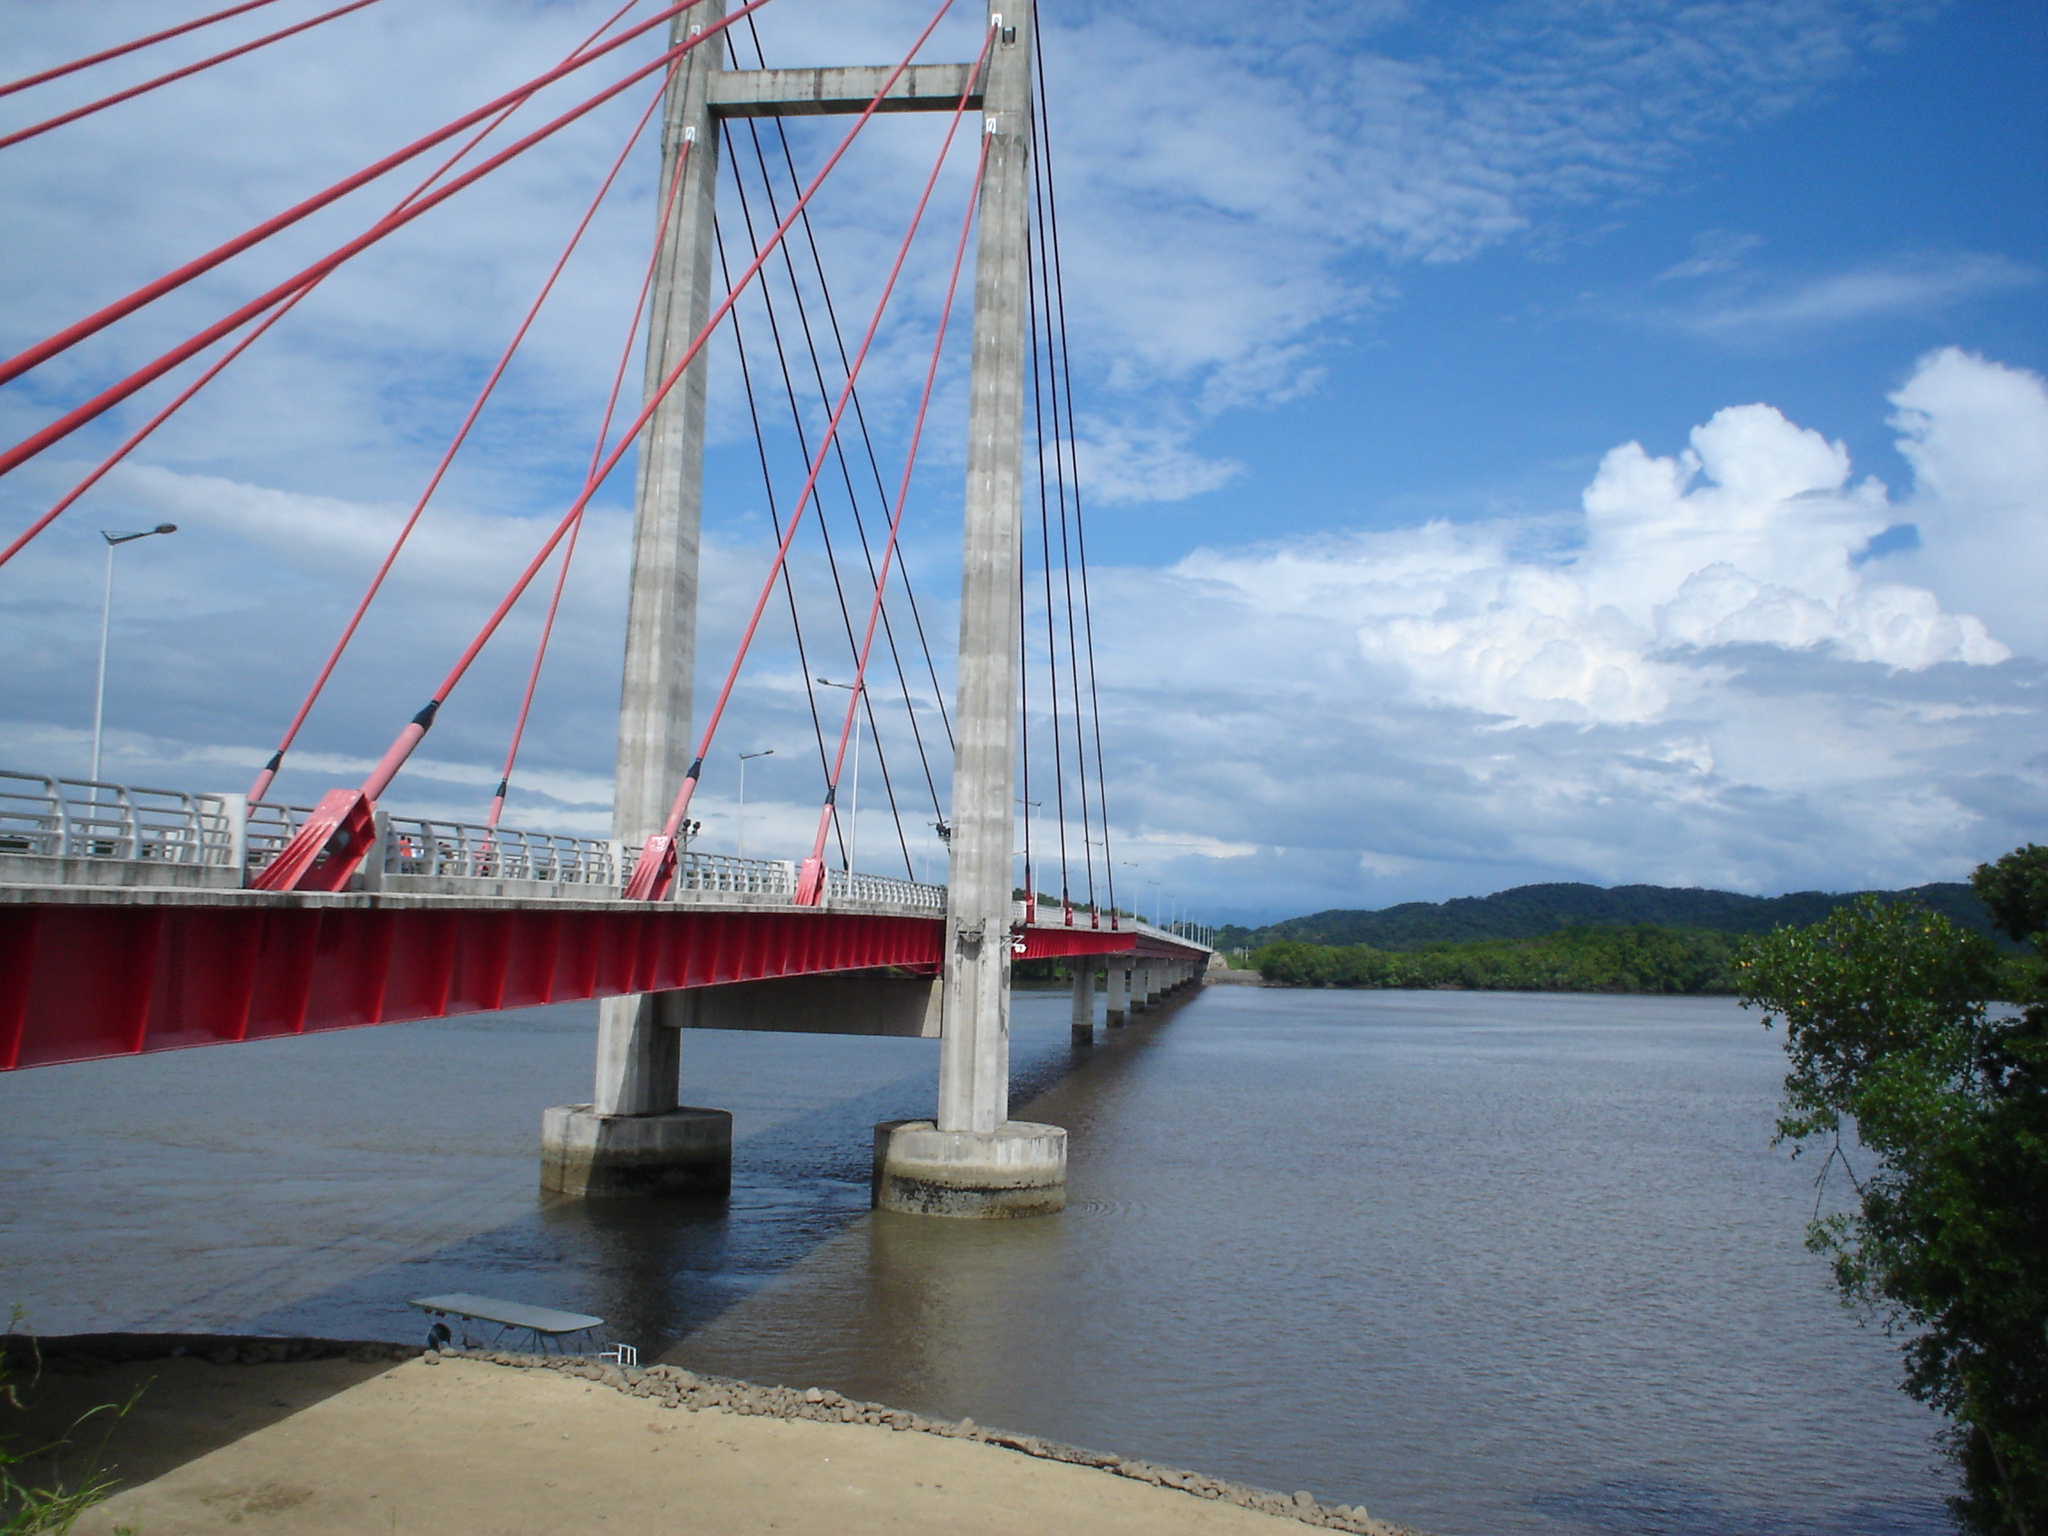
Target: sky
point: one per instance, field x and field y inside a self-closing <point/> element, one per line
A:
<point x="1519" y="441"/>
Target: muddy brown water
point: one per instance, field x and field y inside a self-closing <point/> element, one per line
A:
<point x="1485" y="1263"/>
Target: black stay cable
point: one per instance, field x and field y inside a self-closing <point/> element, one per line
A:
<point x="838" y="452"/>
<point x="1044" y="130"/>
<point x="1043" y="295"/>
<point x="823" y="524"/>
<point x="1024" y="730"/>
<point x="775" y="520"/>
<point x="1052" y="660"/>
<point x="867" y="440"/>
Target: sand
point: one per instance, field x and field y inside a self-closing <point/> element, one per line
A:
<point x="461" y="1445"/>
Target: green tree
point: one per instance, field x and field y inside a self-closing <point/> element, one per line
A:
<point x="1932" y="1103"/>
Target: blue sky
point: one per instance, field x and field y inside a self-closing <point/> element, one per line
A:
<point x="1371" y="302"/>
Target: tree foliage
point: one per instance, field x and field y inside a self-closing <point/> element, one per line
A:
<point x="1931" y="1100"/>
<point x="1585" y="959"/>
<point x="1531" y="911"/>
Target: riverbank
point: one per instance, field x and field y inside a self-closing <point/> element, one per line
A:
<point x="336" y="1439"/>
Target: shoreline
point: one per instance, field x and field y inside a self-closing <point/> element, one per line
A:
<point x="329" y="1371"/>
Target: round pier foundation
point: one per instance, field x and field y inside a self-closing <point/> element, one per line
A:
<point x="682" y="1154"/>
<point x="1018" y="1169"/>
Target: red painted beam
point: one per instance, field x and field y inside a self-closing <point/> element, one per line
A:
<point x="89" y="980"/>
<point x="1056" y="943"/>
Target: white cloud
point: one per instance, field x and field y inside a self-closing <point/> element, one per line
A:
<point x="1693" y="682"/>
<point x="1748" y="537"/>
<point x="1976" y="434"/>
<point x="1920" y="286"/>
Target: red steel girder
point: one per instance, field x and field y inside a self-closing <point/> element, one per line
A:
<point x="85" y="980"/>
<point x="1054" y="943"/>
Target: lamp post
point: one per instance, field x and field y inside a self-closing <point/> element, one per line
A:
<point x="99" y="692"/>
<point x="745" y="758"/>
<point x="1030" y="889"/>
<point x="1155" y="902"/>
<point x="853" y="808"/>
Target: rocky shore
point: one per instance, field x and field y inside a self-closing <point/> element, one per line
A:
<point x="353" y="1369"/>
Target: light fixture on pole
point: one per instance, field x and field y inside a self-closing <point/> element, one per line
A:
<point x="745" y="758"/>
<point x="99" y="692"/>
<point x="1030" y="890"/>
<point x="853" y="807"/>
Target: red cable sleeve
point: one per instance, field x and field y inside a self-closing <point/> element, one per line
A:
<point x="931" y="376"/>
<point x="142" y="433"/>
<point x="8" y="141"/>
<point x="114" y="394"/>
<point x="141" y="42"/>
<point x="604" y="428"/>
<point x="401" y="748"/>
<point x="419" y="507"/>
<point x="71" y="335"/>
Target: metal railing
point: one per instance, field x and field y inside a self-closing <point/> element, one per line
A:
<point x="270" y="827"/>
<point x="80" y="818"/>
<point x="415" y="845"/>
<point x="842" y="885"/>
<point x="720" y="872"/>
<point x="92" y="819"/>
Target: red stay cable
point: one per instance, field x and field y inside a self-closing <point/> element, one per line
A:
<point x="114" y="394"/>
<point x="604" y="428"/>
<point x="71" y="335"/>
<point x="34" y="129"/>
<point x="419" y="507"/>
<point x="341" y="820"/>
<point x="148" y="428"/>
<point x="811" y="883"/>
<point x="60" y="70"/>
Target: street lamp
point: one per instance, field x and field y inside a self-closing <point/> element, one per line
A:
<point x="1030" y="890"/>
<point x="745" y="758"/>
<point x="99" y="693"/>
<point x="853" y="808"/>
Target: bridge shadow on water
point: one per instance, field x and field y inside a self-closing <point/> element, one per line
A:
<point x="662" y="1272"/>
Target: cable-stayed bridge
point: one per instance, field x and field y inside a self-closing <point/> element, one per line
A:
<point x="134" y="920"/>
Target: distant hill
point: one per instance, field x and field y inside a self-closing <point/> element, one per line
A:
<point x="1529" y="911"/>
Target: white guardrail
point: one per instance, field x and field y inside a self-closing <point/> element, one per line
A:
<point x="82" y="818"/>
<point x="88" y="819"/>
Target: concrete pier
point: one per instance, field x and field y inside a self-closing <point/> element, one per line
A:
<point x="1018" y="1169"/>
<point x="1084" y="1002"/>
<point x="971" y="1159"/>
<point x="1117" y="989"/>
<point x="684" y="1153"/>
<point x="634" y="1137"/>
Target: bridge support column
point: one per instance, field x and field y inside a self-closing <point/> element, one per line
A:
<point x="634" y="1137"/>
<point x="1117" y="986"/>
<point x="1084" y="1001"/>
<point x="971" y="1159"/>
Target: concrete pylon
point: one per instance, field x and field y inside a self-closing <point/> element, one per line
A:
<point x="1117" y="990"/>
<point x="1083" y="1017"/>
<point x="972" y="1159"/>
<point x="635" y="1136"/>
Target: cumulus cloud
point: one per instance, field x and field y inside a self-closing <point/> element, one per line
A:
<point x="1976" y="435"/>
<point x="1749" y="536"/>
<point x="1694" y="680"/>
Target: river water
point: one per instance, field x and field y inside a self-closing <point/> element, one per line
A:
<point x="1483" y="1263"/>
